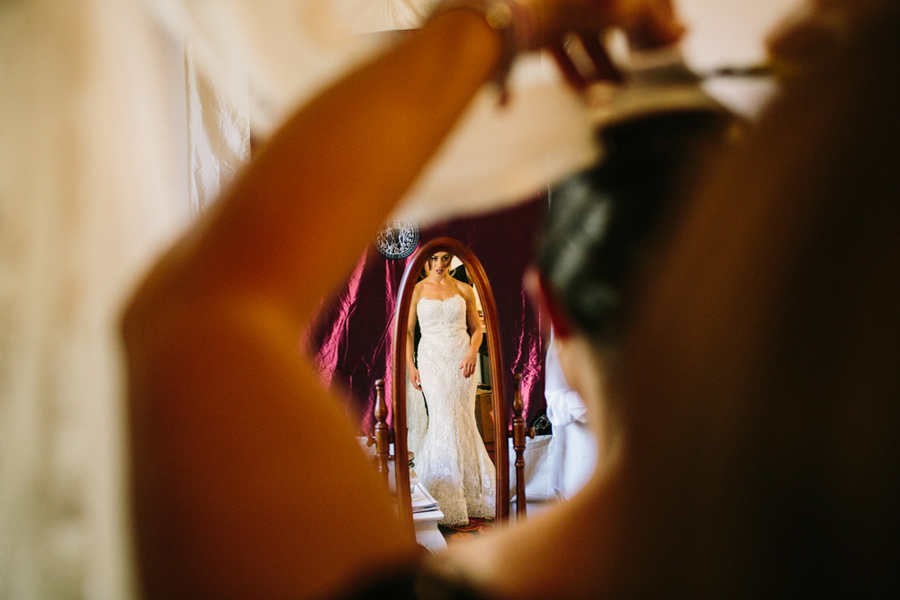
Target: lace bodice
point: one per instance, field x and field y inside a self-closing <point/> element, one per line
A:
<point x="442" y="317"/>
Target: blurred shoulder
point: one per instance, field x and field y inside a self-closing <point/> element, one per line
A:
<point x="466" y="290"/>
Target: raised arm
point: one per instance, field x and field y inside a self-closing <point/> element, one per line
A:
<point x="247" y="480"/>
<point x="411" y="368"/>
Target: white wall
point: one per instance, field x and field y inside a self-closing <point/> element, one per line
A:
<point x="724" y="32"/>
<point x="732" y="33"/>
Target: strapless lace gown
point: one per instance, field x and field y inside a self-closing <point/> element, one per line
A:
<point x="452" y="462"/>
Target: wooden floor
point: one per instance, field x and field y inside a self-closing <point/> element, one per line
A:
<point x="483" y="526"/>
<point x="475" y="527"/>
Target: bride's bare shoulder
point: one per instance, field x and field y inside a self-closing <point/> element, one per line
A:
<point x="465" y="290"/>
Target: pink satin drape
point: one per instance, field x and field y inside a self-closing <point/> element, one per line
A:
<point x="351" y="338"/>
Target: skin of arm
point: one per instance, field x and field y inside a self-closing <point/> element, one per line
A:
<point x="411" y="339"/>
<point x="468" y="364"/>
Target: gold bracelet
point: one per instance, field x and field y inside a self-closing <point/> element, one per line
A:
<point x="515" y="21"/>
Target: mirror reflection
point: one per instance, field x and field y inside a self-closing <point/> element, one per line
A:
<point x="443" y="426"/>
<point x="353" y="339"/>
<point x="444" y="335"/>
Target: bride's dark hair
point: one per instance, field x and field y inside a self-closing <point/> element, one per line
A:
<point x="601" y="222"/>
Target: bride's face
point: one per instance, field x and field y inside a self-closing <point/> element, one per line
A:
<point x="439" y="264"/>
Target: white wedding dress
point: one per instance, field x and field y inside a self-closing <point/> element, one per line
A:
<point x="452" y="462"/>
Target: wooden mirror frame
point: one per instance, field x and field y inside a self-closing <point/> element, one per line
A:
<point x="498" y="381"/>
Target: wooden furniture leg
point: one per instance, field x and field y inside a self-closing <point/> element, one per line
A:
<point x="519" y="434"/>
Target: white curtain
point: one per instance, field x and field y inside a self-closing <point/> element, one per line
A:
<point x="266" y="58"/>
<point x="218" y="134"/>
<point x="89" y="191"/>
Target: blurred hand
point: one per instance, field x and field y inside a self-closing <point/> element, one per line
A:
<point x="414" y="378"/>
<point x="818" y="28"/>
<point x="647" y="24"/>
<point x="809" y="33"/>
<point x="468" y="364"/>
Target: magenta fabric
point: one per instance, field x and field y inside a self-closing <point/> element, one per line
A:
<point x="352" y="336"/>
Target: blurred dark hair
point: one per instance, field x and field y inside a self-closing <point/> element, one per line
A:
<point x="601" y="222"/>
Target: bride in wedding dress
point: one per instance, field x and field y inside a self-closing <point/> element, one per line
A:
<point x="452" y="462"/>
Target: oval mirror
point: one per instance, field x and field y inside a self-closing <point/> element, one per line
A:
<point x="499" y="423"/>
